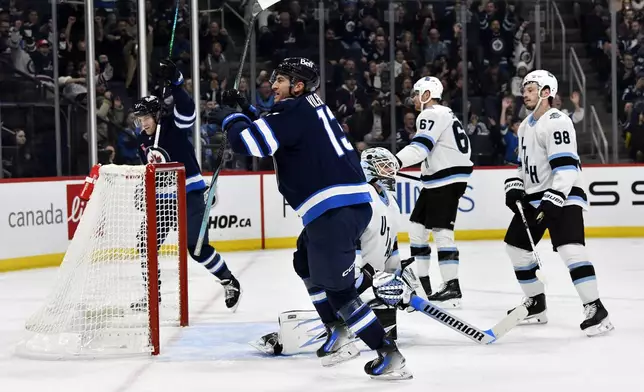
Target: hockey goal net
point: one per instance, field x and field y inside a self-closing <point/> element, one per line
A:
<point x="125" y="271"/>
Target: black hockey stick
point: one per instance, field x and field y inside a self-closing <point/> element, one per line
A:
<point x="403" y="175"/>
<point x="258" y="7"/>
<point x="174" y="28"/>
<point x="538" y="273"/>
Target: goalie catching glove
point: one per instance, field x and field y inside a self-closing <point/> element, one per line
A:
<point x="396" y="289"/>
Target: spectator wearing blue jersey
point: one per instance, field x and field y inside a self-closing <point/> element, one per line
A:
<point x="509" y="134"/>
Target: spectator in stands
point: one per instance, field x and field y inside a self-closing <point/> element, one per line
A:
<point x="433" y="48"/>
<point x="524" y="48"/>
<point x="289" y="38"/>
<point x="23" y="162"/>
<point x="493" y="85"/>
<point x="577" y="114"/>
<point x="265" y="97"/>
<point x="43" y="59"/>
<point x="75" y="87"/>
<point x="349" y="97"/>
<point x="509" y="128"/>
<point x="347" y="26"/>
<point x="216" y="62"/>
<point x="516" y="84"/>
<point x="634" y="136"/>
<point x="209" y="37"/>
<point x="405" y="134"/>
<point x="20" y="59"/>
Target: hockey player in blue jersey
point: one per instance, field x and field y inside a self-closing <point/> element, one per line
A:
<point x="175" y="146"/>
<point x="319" y="174"/>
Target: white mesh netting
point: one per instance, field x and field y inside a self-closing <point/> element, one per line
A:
<point x="99" y="303"/>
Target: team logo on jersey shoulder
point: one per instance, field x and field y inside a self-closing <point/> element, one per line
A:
<point x="555" y="115"/>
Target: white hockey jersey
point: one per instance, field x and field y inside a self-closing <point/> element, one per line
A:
<point x="550" y="167"/>
<point x="442" y="145"/>
<point x="379" y="242"/>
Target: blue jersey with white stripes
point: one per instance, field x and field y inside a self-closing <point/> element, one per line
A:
<point x="317" y="168"/>
<point x="175" y="131"/>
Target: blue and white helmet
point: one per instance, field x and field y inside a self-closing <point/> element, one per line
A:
<point x="380" y="165"/>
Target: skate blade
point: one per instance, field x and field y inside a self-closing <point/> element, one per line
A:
<point x="600" y="329"/>
<point x="399" y="374"/>
<point x="454" y="303"/>
<point x="344" y="354"/>
<point x="262" y="347"/>
<point x="537" y="319"/>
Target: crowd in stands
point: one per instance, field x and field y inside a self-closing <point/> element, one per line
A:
<point x="630" y="73"/>
<point x="427" y="41"/>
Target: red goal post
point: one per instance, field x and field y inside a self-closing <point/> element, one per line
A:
<point x="124" y="274"/>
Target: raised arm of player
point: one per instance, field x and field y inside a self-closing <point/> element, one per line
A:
<point x="429" y="129"/>
<point x="185" y="111"/>
<point x="256" y="138"/>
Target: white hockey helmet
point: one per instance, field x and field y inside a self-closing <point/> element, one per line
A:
<point x="431" y="84"/>
<point x="380" y="165"/>
<point x="543" y="79"/>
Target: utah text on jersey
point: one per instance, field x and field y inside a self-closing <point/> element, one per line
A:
<point x="550" y="166"/>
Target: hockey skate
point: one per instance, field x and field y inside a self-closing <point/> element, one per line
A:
<point x="339" y="346"/>
<point x="448" y="295"/>
<point x="536" y="310"/>
<point x="390" y="364"/>
<point x="233" y="293"/>
<point x="596" y="322"/>
<point x="427" y="285"/>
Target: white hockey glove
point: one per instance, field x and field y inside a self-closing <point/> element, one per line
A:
<point x="392" y="289"/>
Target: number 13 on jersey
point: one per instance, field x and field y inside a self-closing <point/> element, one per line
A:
<point x="340" y="143"/>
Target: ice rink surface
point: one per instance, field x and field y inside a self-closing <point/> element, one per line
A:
<point x="213" y="355"/>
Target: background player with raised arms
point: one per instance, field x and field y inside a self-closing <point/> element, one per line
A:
<point x="319" y="173"/>
<point x="174" y="145"/>
<point x="549" y="185"/>
<point x="443" y="147"/>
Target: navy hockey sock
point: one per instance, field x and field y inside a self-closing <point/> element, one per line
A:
<point x="358" y="316"/>
<point x="321" y="302"/>
<point x="213" y="262"/>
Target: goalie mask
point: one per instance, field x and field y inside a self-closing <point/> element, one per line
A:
<point x="380" y="165"/>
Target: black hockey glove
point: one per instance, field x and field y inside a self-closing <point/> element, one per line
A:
<point x="234" y="98"/>
<point x="551" y="206"/>
<point x="225" y="116"/>
<point x="169" y="73"/>
<point x="514" y="191"/>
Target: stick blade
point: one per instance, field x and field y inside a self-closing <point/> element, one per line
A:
<point x="265" y="4"/>
<point x="510" y="321"/>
